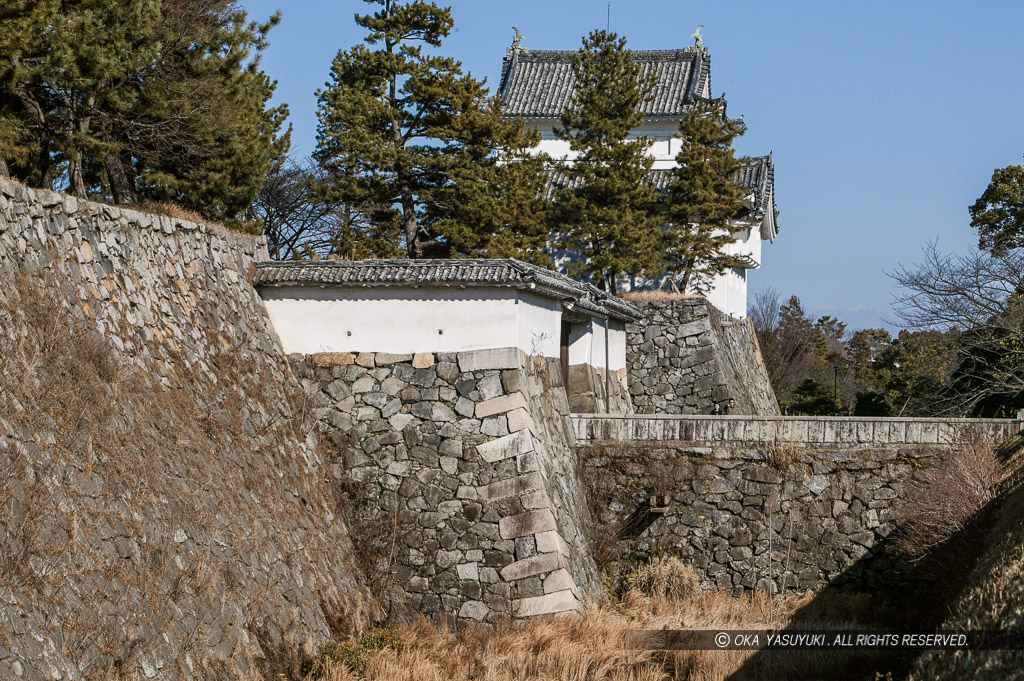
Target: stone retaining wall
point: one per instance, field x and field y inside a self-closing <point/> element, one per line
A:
<point x="464" y="485"/>
<point x="685" y="354"/>
<point x="765" y="502"/>
<point x="751" y="430"/>
<point x="165" y="511"/>
<point x="756" y="518"/>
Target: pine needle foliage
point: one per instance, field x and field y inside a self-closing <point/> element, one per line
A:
<point x="604" y="208"/>
<point x="998" y="214"/>
<point x="703" y="198"/>
<point x="403" y="128"/>
<point x="139" y="100"/>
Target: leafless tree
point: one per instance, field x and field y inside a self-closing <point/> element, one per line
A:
<point x="299" y="223"/>
<point x="979" y="299"/>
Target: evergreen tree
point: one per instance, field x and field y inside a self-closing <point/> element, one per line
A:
<point x="604" y="208"/>
<point x="702" y="199"/>
<point x="406" y="129"/>
<point x="998" y="214"/>
<point x="130" y="100"/>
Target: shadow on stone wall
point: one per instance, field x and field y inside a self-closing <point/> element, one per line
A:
<point x="768" y="516"/>
<point x="916" y="595"/>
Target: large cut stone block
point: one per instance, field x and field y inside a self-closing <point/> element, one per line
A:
<point x="422" y="360"/>
<point x="500" y="405"/>
<point x="528" y="567"/>
<point x="511" y="487"/>
<point x="520" y="419"/>
<point x="329" y="359"/>
<point x="560" y="580"/>
<point x="560" y="601"/>
<point x="384" y="358"/>
<point x="496" y="358"/>
<point x="523" y="524"/>
<point x="548" y="542"/>
<point x="506" y="446"/>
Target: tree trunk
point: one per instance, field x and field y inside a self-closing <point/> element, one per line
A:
<point x="75" y="174"/>
<point x="412" y="228"/>
<point x="687" y="273"/>
<point x="4" y="172"/>
<point x="409" y="224"/>
<point x="40" y="173"/>
<point x="122" y="185"/>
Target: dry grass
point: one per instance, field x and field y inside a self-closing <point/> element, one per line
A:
<point x="666" y="577"/>
<point x="781" y="455"/>
<point x="943" y="499"/>
<point x="993" y="595"/>
<point x="173" y="210"/>
<point x="595" y="645"/>
<point x="654" y="296"/>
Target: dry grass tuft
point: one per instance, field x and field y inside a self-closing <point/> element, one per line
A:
<point x="781" y="455"/>
<point x="667" y="577"/>
<point x="943" y="499"/>
<point x="654" y="296"/>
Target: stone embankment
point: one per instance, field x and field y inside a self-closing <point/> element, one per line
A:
<point x="165" y="511"/>
<point x="685" y="354"/>
<point x="464" y="486"/>
<point x="758" y="502"/>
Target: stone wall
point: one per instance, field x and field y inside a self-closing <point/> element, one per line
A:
<point x="739" y="431"/>
<point x="591" y="392"/>
<point x="165" y="510"/>
<point x="464" y="487"/>
<point x="685" y="354"/>
<point x="783" y="502"/>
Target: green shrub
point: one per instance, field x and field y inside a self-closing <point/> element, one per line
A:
<point x="354" y="655"/>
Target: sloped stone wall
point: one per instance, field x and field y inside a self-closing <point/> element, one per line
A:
<point x="590" y="391"/>
<point x="685" y="354"/>
<point x="165" y="511"/>
<point x="463" y="483"/>
<point x="769" y="517"/>
<point x="770" y="502"/>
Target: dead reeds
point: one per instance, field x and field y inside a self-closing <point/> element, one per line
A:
<point x="941" y="500"/>
<point x="593" y="646"/>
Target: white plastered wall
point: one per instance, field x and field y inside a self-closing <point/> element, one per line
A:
<point x="587" y="343"/>
<point x="311" y="319"/>
<point x="664" y="144"/>
<point x="539" y="324"/>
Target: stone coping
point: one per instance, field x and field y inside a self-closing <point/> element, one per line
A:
<point x="748" y="429"/>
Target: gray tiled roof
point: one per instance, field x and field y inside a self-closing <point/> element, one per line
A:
<point x="757" y="175"/>
<point x="507" y="272"/>
<point x="540" y="83"/>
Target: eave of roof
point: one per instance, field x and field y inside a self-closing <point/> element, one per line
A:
<point x="460" y="273"/>
<point x="756" y="175"/>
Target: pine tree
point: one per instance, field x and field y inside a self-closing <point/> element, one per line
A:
<point x="998" y="214"/>
<point x="702" y="199"/>
<point x="138" y="99"/>
<point x="406" y="129"/>
<point x="604" y="205"/>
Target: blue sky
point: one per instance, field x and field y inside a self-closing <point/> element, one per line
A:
<point x="886" y="119"/>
